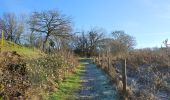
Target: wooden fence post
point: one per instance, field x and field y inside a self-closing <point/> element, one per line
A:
<point x="2" y="38"/>
<point x="99" y="59"/>
<point x="108" y="63"/>
<point x="124" y="77"/>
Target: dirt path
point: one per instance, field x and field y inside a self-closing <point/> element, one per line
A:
<point x="96" y="85"/>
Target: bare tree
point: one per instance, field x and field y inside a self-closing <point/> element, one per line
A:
<point x="94" y="37"/>
<point x="88" y="42"/>
<point x="12" y="27"/>
<point x="9" y="25"/>
<point x="50" y="23"/>
<point x="20" y="29"/>
<point x="81" y="44"/>
<point x="122" y="42"/>
<point x="165" y="42"/>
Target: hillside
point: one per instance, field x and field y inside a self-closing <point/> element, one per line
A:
<point x="25" y="52"/>
<point x="28" y="73"/>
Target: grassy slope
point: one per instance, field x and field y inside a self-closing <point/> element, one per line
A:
<point x="25" y="52"/>
<point x="69" y="86"/>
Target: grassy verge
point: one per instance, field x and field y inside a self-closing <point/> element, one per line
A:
<point x="69" y="86"/>
<point x="84" y="58"/>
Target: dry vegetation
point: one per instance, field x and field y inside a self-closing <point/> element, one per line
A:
<point x="147" y="74"/>
<point x="33" y="79"/>
<point x="41" y="53"/>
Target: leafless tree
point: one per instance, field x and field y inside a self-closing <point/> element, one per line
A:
<point x="165" y="42"/>
<point x="50" y="23"/>
<point x="94" y="38"/>
<point x="122" y="42"/>
<point x="20" y="29"/>
<point x="12" y="26"/>
<point x="9" y="25"/>
<point x="88" y="42"/>
<point x="81" y="43"/>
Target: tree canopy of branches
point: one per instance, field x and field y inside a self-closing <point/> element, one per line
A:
<point x="50" y="30"/>
<point x="87" y="43"/>
<point x="81" y="44"/>
<point x="12" y="27"/>
<point x="50" y="24"/>
<point x="94" y="36"/>
<point x="122" y="42"/>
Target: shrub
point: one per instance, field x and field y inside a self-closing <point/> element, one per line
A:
<point x="33" y="78"/>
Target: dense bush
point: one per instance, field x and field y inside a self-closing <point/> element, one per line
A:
<point x="13" y="80"/>
<point x="33" y="79"/>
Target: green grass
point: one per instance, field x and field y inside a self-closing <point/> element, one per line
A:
<point x="68" y="87"/>
<point x="84" y="58"/>
<point x="25" y="52"/>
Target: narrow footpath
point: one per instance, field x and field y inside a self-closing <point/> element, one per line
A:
<point x="96" y="85"/>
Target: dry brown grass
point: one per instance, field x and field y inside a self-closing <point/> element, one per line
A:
<point x="147" y="73"/>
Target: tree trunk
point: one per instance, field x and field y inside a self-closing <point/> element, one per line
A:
<point x="44" y="42"/>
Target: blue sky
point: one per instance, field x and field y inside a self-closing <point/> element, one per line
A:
<point x="147" y="20"/>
